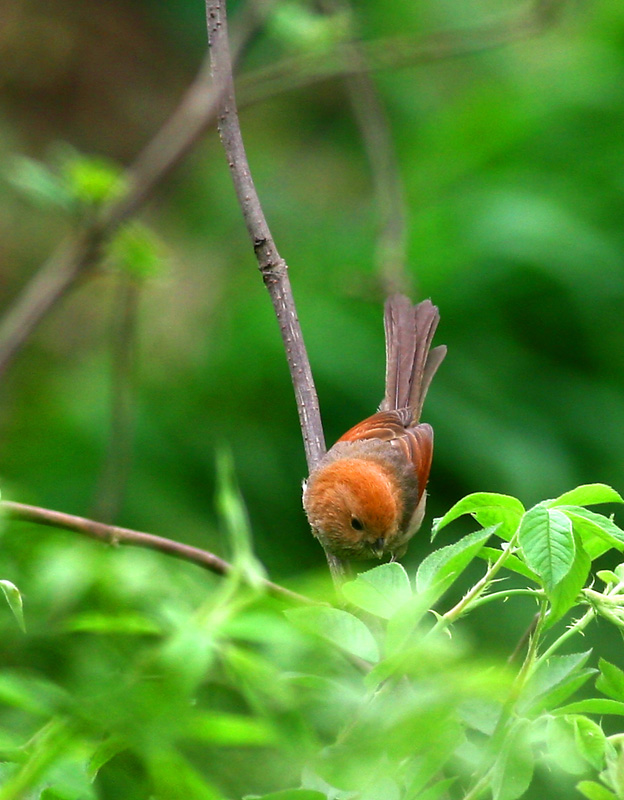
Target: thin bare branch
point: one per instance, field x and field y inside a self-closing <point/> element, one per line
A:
<point x="272" y="266"/>
<point x="111" y="534"/>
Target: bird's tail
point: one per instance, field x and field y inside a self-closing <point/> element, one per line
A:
<point x="410" y="361"/>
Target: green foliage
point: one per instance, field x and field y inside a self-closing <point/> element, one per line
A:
<point x="76" y="183"/>
<point x="136" y="251"/>
<point x="509" y="161"/>
<point x="371" y="700"/>
<point x="14" y="599"/>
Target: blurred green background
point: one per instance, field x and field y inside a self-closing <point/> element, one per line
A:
<point x="514" y="186"/>
<point x="513" y="173"/>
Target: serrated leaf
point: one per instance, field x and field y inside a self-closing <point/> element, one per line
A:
<point x="590" y="739"/>
<point x="513" y="770"/>
<point x="563" y="596"/>
<point x="380" y="591"/>
<point x="489" y="508"/>
<point x="14" y="599"/>
<point x="595" y="791"/>
<point x="438" y="571"/>
<point x="339" y="627"/>
<point x="588" y="494"/>
<point x="598" y="533"/>
<point x="547" y="543"/>
<point x="611" y="680"/>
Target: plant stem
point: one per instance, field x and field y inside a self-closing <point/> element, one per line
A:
<point x="111" y="534"/>
<point x="468" y="599"/>
<point x="572" y="630"/>
<point x="505" y="594"/>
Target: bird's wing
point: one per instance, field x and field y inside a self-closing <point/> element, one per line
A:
<point x="416" y="442"/>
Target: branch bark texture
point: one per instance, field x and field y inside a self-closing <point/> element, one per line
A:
<point x="272" y="266"/>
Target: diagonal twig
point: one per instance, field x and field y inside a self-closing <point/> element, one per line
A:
<point x="111" y="534"/>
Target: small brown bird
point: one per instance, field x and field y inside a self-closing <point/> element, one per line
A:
<point x="366" y="498"/>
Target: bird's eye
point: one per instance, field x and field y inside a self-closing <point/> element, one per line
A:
<point x="356" y="524"/>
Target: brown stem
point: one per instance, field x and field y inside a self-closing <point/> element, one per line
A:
<point x="272" y="266"/>
<point x="111" y="534"/>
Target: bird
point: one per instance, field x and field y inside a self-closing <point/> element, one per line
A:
<point x="366" y="497"/>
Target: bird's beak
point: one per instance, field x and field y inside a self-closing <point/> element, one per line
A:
<point x="378" y="548"/>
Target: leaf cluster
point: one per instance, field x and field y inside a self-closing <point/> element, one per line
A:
<point x="168" y="694"/>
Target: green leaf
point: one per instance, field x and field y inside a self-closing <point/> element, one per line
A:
<point x="588" y="494"/>
<point x="404" y="624"/>
<point x="96" y="622"/>
<point x="593" y="705"/>
<point x="26" y="693"/>
<point x="513" y="770"/>
<point x="562" y="747"/>
<point x="611" y="680"/>
<point x="136" y="251"/>
<point x="103" y="753"/>
<point x="93" y="180"/>
<point x="598" y="533"/>
<point x="489" y="508"/>
<point x="595" y="791"/>
<point x="607" y="576"/>
<point x="440" y="569"/>
<point x="380" y="591"/>
<point x="547" y="543"/>
<point x="556" y="676"/>
<point x="563" y="597"/>
<point x="339" y="627"/>
<point x="223" y="729"/>
<point x="14" y="599"/>
<point x="590" y="740"/>
<point x="235" y="520"/>
<point x="39" y="184"/>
